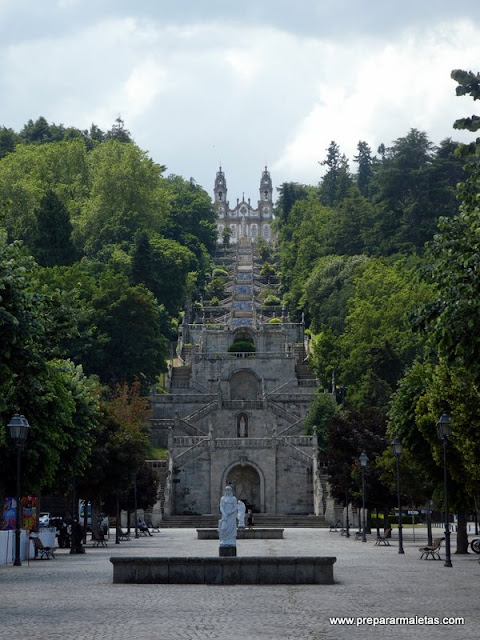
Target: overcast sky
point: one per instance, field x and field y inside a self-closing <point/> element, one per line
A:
<point x="243" y="83"/>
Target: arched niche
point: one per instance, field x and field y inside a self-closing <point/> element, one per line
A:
<point x="248" y="485"/>
<point x="244" y="385"/>
<point x="242" y="425"/>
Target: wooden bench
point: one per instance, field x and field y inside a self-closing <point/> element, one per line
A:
<point x="334" y="527"/>
<point x="98" y="540"/>
<point x="43" y="551"/>
<point x="122" y="535"/>
<point x="384" y="539"/>
<point x="431" y="551"/>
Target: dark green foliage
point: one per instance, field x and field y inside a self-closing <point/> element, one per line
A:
<point x="365" y="167"/>
<point x="272" y="301"/>
<point x="128" y="341"/>
<point x="328" y="290"/>
<point x="242" y="346"/>
<point x="289" y="194"/>
<point x="469" y="84"/>
<point x="337" y="180"/>
<point x="322" y="410"/>
<point x="50" y="239"/>
<point x="8" y="140"/>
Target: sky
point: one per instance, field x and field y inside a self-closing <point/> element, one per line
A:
<point x="241" y="84"/>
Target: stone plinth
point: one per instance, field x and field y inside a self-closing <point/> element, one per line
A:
<point x="227" y="552"/>
<point x="242" y="534"/>
<point x="247" y="570"/>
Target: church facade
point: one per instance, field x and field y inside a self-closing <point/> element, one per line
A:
<point x="243" y="220"/>
<point x="240" y="389"/>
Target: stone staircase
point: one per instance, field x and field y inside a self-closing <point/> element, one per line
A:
<point x="260" y="519"/>
<point x="181" y="377"/>
<point x="302" y="368"/>
<point x="160" y="467"/>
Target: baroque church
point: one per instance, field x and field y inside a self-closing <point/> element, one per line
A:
<point x="243" y="220"/>
<point x="240" y="388"/>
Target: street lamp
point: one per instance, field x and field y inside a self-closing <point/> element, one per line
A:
<point x="347" y="523"/>
<point x="134" y="478"/>
<point x="397" y="448"/>
<point x="444" y="429"/>
<point x="18" y="427"/>
<point x="363" y="463"/>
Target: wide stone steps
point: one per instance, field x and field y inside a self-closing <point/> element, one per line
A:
<point x="260" y="520"/>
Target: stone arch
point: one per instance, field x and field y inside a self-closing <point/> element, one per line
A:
<point x="248" y="484"/>
<point x="244" y="385"/>
<point x="244" y="333"/>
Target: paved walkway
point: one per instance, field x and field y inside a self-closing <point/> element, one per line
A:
<point x="72" y="597"/>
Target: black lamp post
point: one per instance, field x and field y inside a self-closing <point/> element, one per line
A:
<point x="134" y="478"/>
<point x="444" y="429"/>
<point x="397" y="448"/>
<point x="347" y="522"/>
<point x="363" y="463"/>
<point x="18" y="427"/>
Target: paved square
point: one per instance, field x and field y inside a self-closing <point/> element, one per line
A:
<point x="72" y="597"/>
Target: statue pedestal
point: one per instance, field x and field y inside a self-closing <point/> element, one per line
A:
<point x="227" y="552"/>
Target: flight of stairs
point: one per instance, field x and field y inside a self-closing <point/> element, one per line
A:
<point x="260" y="520"/>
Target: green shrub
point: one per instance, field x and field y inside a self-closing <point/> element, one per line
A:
<point x="218" y="272"/>
<point x="242" y="346"/>
<point x="272" y="301"/>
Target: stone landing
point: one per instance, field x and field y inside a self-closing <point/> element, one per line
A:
<point x="242" y="534"/>
<point x="248" y="570"/>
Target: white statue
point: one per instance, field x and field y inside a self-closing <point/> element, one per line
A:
<point x="227" y="525"/>
<point x="241" y="514"/>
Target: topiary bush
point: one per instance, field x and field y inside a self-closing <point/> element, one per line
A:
<point x="242" y="346"/>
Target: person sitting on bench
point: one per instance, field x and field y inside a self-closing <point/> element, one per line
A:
<point x="142" y="527"/>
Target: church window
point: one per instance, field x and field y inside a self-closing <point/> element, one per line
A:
<point x="253" y="231"/>
<point x="233" y="227"/>
<point x="220" y="195"/>
<point x="265" y="195"/>
<point x="266" y="231"/>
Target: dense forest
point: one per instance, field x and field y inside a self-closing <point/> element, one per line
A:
<point x="384" y="261"/>
<point x="100" y="250"/>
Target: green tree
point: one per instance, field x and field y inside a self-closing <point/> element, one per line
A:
<point x="337" y="180"/>
<point x="328" y="290"/>
<point x="365" y="167"/>
<point x="125" y="196"/>
<point x="378" y="341"/>
<point x="50" y="239"/>
<point x="8" y="140"/>
<point x="129" y="344"/>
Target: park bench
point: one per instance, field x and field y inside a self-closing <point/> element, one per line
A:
<point x="383" y="539"/>
<point x="98" y="540"/>
<point x="431" y="551"/>
<point x="122" y="535"/>
<point x="334" y="527"/>
<point x="154" y="527"/>
<point x="41" y="550"/>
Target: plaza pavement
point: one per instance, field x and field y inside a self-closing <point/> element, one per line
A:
<point x="73" y="598"/>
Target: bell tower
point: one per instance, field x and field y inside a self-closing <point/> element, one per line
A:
<point x="266" y="190"/>
<point x="220" y="188"/>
